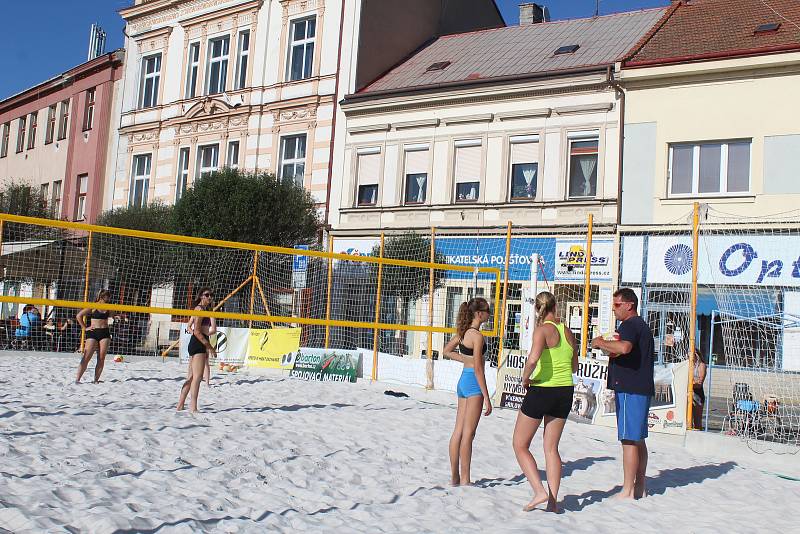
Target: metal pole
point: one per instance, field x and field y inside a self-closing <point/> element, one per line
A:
<point x="253" y="286"/>
<point x="587" y="289"/>
<point x="693" y="314"/>
<point x="328" y="294"/>
<point x="710" y="366"/>
<point x="86" y="281"/>
<point x="430" y="309"/>
<point x="377" y="316"/>
<point x="501" y="318"/>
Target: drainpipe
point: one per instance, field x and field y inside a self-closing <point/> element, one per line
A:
<point x="621" y="93"/>
<point x="326" y="226"/>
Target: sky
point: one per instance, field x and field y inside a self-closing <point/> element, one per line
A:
<point x="33" y="53"/>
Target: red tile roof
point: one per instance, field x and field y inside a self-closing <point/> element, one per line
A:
<point x="694" y="30"/>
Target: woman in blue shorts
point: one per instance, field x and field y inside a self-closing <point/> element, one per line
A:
<point x="473" y="395"/>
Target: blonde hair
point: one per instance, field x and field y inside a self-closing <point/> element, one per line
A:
<point x="466" y="313"/>
<point x="545" y="303"/>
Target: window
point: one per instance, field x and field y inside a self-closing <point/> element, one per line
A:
<point x="524" y="166"/>
<point x="34" y="119"/>
<point x="582" y="164"/>
<point x="140" y="179"/>
<point x="369" y="172"/>
<point x="56" y="202"/>
<point x="80" y="208"/>
<point x="709" y="168"/>
<point x="301" y="48"/>
<point x="51" y="125"/>
<point x="150" y="80"/>
<point x="4" y="141"/>
<point x="468" y="170"/>
<point x="293" y="159"/>
<point x="183" y="173"/>
<point x="207" y="160"/>
<point x="244" y="54"/>
<point x="21" y="134"/>
<point x="192" y="70"/>
<point x="217" y="68"/>
<point x="88" y="110"/>
<point x="44" y="191"/>
<point x="416" y="174"/>
<point x="232" y="159"/>
<point x="63" y="120"/>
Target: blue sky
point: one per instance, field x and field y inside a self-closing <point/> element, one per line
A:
<point x="59" y="39"/>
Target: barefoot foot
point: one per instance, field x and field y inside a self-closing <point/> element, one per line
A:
<point x="538" y="499"/>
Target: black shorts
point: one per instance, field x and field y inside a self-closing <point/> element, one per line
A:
<point x="551" y="401"/>
<point x="699" y="395"/>
<point x="195" y="347"/>
<point x="98" y="334"/>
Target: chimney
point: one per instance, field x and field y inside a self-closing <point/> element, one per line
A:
<point x="530" y="13"/>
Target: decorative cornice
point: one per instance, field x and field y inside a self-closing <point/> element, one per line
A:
<point x="142" y="19"/>
<point x="466" y="119"/>
<point x="524" y="114"/>
<point x="586" y="108"/>
<point x="385" y="127"/>
<point x="426" y="123"/>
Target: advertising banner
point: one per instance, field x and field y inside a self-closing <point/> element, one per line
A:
<point x="570" y="258"/>
<point x="273" y="348"/>
<point x="594" y="403"/>
<point x="326" y="365"/>
<point x="491" y="252"/>
<point x="230" y="344"/>
<point x="510" y="392"/>
<point x="757" y="260"/>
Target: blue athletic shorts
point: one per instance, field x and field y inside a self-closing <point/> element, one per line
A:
<point x="468" y="384"/>
<point x="632" y="412"/>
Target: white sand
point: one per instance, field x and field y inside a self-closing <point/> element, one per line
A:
<point x="275" y="454"/>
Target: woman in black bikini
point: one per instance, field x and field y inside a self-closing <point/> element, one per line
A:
<point x="200" y="349"/>
<point x="98" y="337"/>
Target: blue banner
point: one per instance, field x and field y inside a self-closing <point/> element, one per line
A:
<point x="491" y="252"/>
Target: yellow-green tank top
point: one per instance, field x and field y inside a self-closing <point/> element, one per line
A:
<point x="554" y="368"/>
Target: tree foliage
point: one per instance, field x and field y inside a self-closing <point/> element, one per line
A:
<point x="404" y="282"/>
<point x="23" y="198"/>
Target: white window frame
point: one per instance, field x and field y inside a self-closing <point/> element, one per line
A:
<point x="192" y="69"/>
<point x="466" y="143"/>
<point x="21" y="130"/>
<point x="307" y="70"/>
<point x="88" y="110"/>
<point x="723" y="169"/>
<point x="294" y="162"/>
<point x="232" y="155"/>
<point x="242" y="60"/>
<point x="136" y="178"/>
<point x="80" y="205"/>
<point x="50" y="131"/>
<point x="182" y="180"/>
<point x="360" y="182"/>
<point x="56" y="198"/>
<point x="33" y="122"/>
<point x="200" y="169"/>
<point x="582" y="136"/>
<point x="44" y="190"/>
<point x="522" y="140"/>
<point x="222" y="60"/>
<point x="154" y="77"/>
<point x="5" y="139"/>
<point x="416" y="148"/>
<point x="63" y="120"/>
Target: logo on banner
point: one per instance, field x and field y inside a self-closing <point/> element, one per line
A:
<point x="222" y="342"/>
<point x="678" y="259"/>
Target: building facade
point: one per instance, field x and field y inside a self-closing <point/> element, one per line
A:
<point x="59" y="135"/>
<point x="477" y="130"/>
<point x="251" y="84"/>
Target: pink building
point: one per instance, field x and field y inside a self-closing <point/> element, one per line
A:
<point x="58" y="136"/>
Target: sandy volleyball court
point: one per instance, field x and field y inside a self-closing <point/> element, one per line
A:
<point x="272" y="454"/>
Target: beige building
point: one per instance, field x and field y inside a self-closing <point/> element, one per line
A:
<point x="253" y="84"/>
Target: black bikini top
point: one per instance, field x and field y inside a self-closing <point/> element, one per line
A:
<point x="97" y="314"/>
<point x="466" y="351"/>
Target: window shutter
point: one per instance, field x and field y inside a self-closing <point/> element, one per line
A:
<point x="468" y="164"/>
<point x="369" y="168"/>
<point x="417" y="162"/>
<point x="524" y="153"/>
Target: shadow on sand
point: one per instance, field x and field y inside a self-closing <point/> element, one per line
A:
<point x="656" y="485"/>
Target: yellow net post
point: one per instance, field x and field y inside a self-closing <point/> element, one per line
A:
<point x="253" y="286"/>
<point x="587" y="289"/>
<point x="501" y="316"/>
<point x="693" y="315"/>
<point x="86" y="282"/>
<point x="429" y="385"/>
<point x="328" y="294"/>
<point x="377" y="316"/>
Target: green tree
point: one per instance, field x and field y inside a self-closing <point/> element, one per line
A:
<point x="23" y="198"/>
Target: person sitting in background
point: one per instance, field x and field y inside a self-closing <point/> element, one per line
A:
<point x="28" y="322"/>
<point x="698" y="393"/>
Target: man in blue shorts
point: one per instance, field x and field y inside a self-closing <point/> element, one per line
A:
<point x="630" y="375"/>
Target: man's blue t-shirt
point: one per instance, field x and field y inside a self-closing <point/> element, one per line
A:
<point x="633" y="372"/>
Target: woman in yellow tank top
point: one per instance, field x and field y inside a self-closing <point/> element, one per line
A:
<point x="548" y="377"/>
